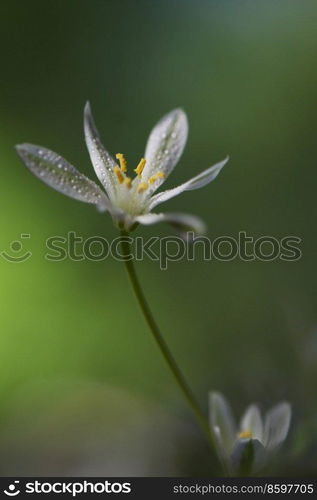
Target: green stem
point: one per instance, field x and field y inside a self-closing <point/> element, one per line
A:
<point x="162" y="345"/>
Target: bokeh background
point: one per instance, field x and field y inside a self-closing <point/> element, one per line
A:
<point x="84" y="390"/>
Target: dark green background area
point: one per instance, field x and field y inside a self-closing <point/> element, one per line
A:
<point x="83" y="389"/>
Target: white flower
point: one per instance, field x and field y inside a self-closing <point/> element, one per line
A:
<point x="253" y="437"/>
<point x="129" y="201"/>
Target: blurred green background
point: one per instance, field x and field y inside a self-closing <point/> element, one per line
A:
<point x="84" y="390"/>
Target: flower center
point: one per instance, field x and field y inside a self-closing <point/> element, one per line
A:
<point x="245" y="434"/>
<point x="122" y="178"/>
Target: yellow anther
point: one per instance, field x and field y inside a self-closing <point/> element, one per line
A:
<point x="122" y="161"/>
<point x="245" y="434"/>
<point x="139" y="169"/>
<point x="158" y="175"/>
<point x="119" y="174"/>
<point x="142" y="187"/>
<point x="128" y="182"/>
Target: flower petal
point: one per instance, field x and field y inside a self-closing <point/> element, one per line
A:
<point x="219" y="443"/>
<point x="276" y="425"/>
<point x="220" y="415"/>
<point x="195" y="183"/>
<point x="165" y="146"/>
<point x="252" y="421"/>
<point x="183" y="222"/>
<point x="61" y="175"/>
<point x="102" y="161"/>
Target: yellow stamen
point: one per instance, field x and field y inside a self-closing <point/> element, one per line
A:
<point x="158" y="175"/>
<point x="122" y="161"/>
<point x="245" y="434"/>
<point x="142" y="187"/>
<point x="139" y="169"/>
<point x="119" y="174"/>
<point x="128" y="182"/>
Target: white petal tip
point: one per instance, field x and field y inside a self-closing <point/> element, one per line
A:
<point x="20" y="147"/>
<point x="215" y="395"/>
<point x="180" y="115"/>
<point x="223" y="162"/>
<point x="216" y="399"/>
<point x="179" y="110"/>
<point x="87" y="109"/>
<point x="285" y="408"/>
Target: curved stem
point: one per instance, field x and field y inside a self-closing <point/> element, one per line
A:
<point x="162" y="345"/>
